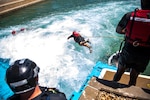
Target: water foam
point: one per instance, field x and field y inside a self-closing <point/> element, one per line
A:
<point x="65" y="64"/>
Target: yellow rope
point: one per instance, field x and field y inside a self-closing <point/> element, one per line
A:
<point x="148" y="85"/>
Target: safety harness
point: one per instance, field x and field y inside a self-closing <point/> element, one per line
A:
<point x="135" y="35"/>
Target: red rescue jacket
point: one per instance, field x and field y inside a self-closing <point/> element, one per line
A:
<point x="140" y="31"/>
<point x="76" y="34"/>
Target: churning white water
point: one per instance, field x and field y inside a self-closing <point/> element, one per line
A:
<point x="63" y="63"/>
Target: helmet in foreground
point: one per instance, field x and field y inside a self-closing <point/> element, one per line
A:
<point x="22" y="75"/>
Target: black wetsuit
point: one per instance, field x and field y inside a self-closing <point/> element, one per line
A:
<point x="78" y="39"/>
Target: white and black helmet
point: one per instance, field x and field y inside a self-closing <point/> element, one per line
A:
<point x="21" y="76"/>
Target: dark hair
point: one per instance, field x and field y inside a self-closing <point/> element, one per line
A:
<point x="145" y="4"/>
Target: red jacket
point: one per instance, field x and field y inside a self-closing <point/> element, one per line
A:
<point x="76" y="34"/>
<point x="141" y="28"/>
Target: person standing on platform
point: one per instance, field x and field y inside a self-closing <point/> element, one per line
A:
<point x="135" y="53"/>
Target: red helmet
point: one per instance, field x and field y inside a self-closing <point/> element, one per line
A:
<point x="13" y="32"/>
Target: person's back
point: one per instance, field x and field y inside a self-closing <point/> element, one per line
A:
<point x="22" y="77"/>
<point x="137" y="30"/>
<point x="136" y="51"/>
<point x="50" y="94"/>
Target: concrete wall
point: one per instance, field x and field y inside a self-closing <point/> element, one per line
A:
<point x="11" y="5"/>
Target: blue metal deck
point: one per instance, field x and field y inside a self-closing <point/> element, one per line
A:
<point x="95" y="72"/>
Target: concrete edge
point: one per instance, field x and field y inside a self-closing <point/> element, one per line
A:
<point x="19" y="7"/>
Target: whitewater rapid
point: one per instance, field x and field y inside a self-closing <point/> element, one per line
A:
<point x="63" y="63"/>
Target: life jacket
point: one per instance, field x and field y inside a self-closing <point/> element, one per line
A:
<point x="138" y="28"/>
<point x="76" y="34"/>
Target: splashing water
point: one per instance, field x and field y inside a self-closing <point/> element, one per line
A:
<point x="63" y="63"/>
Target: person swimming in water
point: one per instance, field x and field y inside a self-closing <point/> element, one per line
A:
<point x="80" y="40"/>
